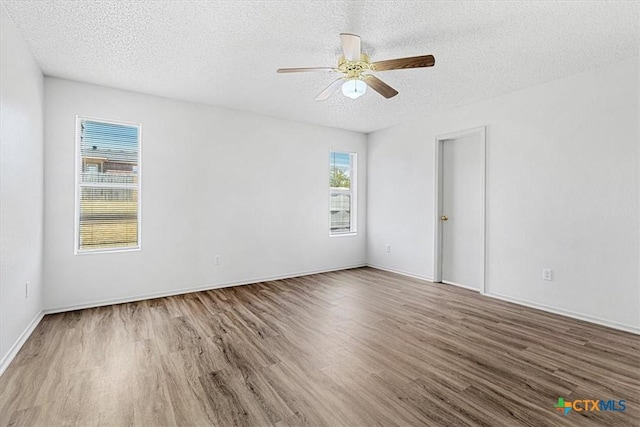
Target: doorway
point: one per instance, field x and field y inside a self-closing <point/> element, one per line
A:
<point x="460" y="209"/>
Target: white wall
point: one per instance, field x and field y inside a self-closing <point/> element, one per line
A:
<point x="562" y="192"/>
<point x="250" y="188"/>
<point x="21" y="189"/>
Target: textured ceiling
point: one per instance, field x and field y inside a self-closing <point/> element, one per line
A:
<point x="226" y="52"/>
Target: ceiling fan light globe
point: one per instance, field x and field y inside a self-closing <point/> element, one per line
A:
<point x="354" y="88"/>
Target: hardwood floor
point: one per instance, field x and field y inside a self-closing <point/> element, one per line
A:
<point x="356" y="347"/>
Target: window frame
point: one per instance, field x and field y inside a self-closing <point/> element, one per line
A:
<point x="353" y="192"/>
<point x="79" y="186"/>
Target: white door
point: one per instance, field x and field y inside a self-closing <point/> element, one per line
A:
<point x="462" y="205"/>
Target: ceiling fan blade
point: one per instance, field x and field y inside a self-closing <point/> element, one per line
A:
<point x="304" y="69"/>
<point x="400" y="63"/>
<point x="330" y="89"/>
<point x="351" y="46"/>
<point x="381" y="87"/>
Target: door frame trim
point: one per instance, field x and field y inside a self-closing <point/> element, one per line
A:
<point x="437" y="250"/>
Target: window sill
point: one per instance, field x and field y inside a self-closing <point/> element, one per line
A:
<point x="350" y="233"/>
<point x="106" y="251"/>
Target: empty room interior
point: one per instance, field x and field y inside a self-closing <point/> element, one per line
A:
<point x="323" y="213"/>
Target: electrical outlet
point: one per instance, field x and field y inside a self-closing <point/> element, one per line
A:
<point x="547" y="274"/>
<point x="26" y="290"/>
<point x="217" y="260"/>
<point x="388" y="248"/>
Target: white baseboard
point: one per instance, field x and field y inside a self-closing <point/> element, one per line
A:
<point x="471" y="288"/>
<point x="168" y="293"/>
<point x="568" y="313"/>
<point x="402" y="273"/>
<point x="15" y="348"/>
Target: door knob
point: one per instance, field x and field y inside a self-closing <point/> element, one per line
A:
<point x="444" y="218"/>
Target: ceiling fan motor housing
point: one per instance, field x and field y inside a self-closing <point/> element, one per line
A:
<point x="354" y="69"/>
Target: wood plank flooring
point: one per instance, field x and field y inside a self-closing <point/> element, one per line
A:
<point x="356" y="347"/>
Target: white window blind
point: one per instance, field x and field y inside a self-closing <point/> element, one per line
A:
<point x="108" y="185"/>
<point x="342" y="185"/>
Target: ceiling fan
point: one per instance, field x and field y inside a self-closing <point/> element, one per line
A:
<point x="356" y="66"/>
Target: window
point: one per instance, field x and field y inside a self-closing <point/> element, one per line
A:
<point x="342" y="194"/>
<point x="107" y="186"/>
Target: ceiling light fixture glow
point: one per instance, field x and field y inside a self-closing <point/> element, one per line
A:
<point x="354" y="88"/>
